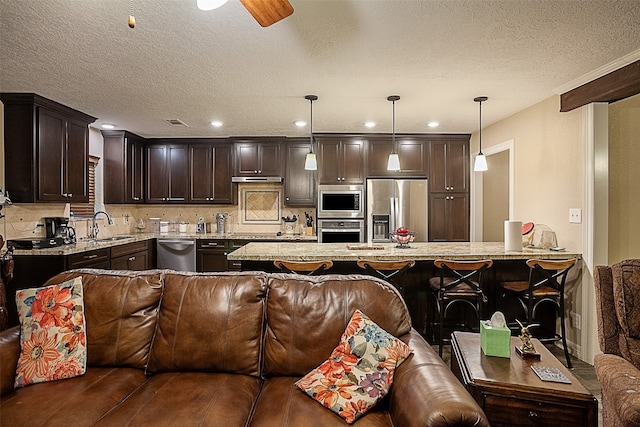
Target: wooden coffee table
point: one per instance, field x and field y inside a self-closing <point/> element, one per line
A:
<point x="511" y="393"/>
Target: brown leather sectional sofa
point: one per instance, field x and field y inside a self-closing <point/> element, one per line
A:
<point x="225" y="349"/>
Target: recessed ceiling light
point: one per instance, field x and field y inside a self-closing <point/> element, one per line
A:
<point x="216" y="123"/>
<point x="433" y="124"/>
<point x="300" y="123"/>
<point x="108" y="126"/>
<point x="370" y="124"/>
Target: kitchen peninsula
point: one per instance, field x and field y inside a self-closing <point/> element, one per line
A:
<point x="506" y="266"/>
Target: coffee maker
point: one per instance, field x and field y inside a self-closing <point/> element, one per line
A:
<point x="58" y="227"/>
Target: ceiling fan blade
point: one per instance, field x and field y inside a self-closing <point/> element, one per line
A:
<point x="268" y="12"/>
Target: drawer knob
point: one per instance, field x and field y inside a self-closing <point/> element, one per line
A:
<point x="533" y="415"/>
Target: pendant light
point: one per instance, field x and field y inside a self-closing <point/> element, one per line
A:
<point x="210" y="4"/>
<point x="481" y="160"/>
<point x="393" y="164"/>
<point x="310" y="162"/>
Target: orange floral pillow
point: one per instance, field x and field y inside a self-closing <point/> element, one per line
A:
<point x="53" y="341"/>
<point x="359" y="371"/>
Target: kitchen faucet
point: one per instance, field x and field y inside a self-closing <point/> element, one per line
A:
<point x="94" y="225"/>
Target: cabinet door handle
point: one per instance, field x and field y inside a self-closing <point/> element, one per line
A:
<point x="90" y="256"/>
<point x="132" y="258"/>
<point x="532" y="415"/>
<point x="255" y="171"/>
<point x="136" y="198"/>
<point x="260" y="171"/>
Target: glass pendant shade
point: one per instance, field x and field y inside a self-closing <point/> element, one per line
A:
<point x="481" y="163"/>
<point x="393" y="164"/>
<point x="310" y="162"/>
<point x="210" y="4"/>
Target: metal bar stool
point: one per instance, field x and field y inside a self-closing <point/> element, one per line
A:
<point x="310" y="268"/>
<point x="545" y="285"/>
<point x="459" y="282"/>
<point x="391" y="271"/>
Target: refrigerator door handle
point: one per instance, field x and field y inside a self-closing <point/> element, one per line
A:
<point x="397" y="214"/>
<point x="392" y="215"/>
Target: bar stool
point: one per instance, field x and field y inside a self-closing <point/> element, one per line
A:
<point x="545" y="285"/>
<point x="310" y="268"/>
<point x="391" y="271"/>
<point x="459" y="282"/>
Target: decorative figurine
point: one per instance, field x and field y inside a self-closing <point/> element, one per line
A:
<point x="527" y="348"/>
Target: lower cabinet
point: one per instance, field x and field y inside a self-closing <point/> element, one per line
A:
<point x="211" y="255"/>
<point x="100" y="258"/>
<point x="132" y="256"/>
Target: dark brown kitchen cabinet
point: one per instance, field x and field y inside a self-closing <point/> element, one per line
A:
<point x="211" y="255"/>
<point x="167" y="173"/>
<point x="98" y="258"/>
<point x="123" y="169"/>
<point x="449" y="217"/>
<point x="299" y="184"/>
<point x="210" y="170"/>
<point x="132" y="256"/>
<point x="412" y="151"/>
<point x="449" y="165"/>
<point x="258" y="156"/>
<point x="46" y="150"/>
<point x="341" y="160"/>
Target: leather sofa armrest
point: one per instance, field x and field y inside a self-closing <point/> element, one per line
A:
<point x="9" y="354"/>
<point x="425" y="391"/>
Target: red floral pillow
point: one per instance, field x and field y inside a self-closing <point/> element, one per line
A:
<point x="359" y="371"/>
<point x="53" y="341"/>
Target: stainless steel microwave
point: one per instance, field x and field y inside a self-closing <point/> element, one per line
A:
<point x="340" y="201"/>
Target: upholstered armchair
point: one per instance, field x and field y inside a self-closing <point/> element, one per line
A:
<point x="618" y="368"/>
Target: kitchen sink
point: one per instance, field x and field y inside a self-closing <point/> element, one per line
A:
<point x="113" y="238"/>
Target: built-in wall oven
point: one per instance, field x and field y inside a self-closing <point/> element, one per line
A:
<point x="341" y="201"/>
<point x="341" y="230"/>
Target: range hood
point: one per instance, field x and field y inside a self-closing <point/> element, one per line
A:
<point x="256" y="179"/>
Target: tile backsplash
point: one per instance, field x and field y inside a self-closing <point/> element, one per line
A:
<point x="260" y="213"/>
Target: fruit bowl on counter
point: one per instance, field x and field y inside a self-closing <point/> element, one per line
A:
<point x="403" y="237"/>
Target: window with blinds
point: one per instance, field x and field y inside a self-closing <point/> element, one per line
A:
<point x="86" y="209"/>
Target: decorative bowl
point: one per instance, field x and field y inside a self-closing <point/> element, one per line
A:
<point x="403" y="240"/>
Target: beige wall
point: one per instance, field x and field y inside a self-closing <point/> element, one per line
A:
<point x="548" y="166"/>
<point x="495" y="197"/>
<point x="624" y="178"/>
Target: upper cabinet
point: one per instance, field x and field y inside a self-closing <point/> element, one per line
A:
<point x="167" y="173"/>
<point x="341" y="159"/>
<point x="299" y="184"/>
<point x="123" y="167"/>
<point x="46" y="150"/>
<point x="258" y="156"/>
<point x="449" y="165"/>
<point x="412" y="151"/>
<point x="210" y="170"/>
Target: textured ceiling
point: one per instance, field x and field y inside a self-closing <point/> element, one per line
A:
<point x="180" y="62"/>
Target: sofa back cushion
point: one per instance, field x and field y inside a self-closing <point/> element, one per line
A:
<point x="306" y="316"/>
<point x="121" y="309"/>
<point x="210" y="322"/>
<point x="626" y="292"/>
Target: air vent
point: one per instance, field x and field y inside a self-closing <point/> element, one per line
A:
<point x="177" y="122"/>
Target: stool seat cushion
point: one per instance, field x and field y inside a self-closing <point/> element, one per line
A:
<point x="518" y="287"/>
<point x="434" y="283"/>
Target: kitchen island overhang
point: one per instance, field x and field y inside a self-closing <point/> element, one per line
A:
<point x="507" y="266"/>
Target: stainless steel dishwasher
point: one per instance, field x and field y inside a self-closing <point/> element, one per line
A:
<point x="177" y="254"/>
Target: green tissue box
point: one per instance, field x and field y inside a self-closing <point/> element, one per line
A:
<point x="495" y="341"/>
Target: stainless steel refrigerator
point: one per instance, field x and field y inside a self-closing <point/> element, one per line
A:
<point x="393" y="203"/>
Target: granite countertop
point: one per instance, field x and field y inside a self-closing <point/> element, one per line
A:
<point x="110" y="241"/>
<point x="267" y="251"/>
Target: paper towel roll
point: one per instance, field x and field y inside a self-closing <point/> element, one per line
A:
<point x="513" y="236"/>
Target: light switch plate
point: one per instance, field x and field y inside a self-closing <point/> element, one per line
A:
<point x="575" y="216"/>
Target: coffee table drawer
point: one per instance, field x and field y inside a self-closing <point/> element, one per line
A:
<point x="510" y="411"/>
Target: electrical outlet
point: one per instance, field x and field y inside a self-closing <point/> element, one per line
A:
<point x="577" y="320"/>
<point x="575" y="216"/>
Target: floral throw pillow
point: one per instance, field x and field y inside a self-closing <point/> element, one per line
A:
<point x="53" y="341"/>
<point x="359" y="371"/>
